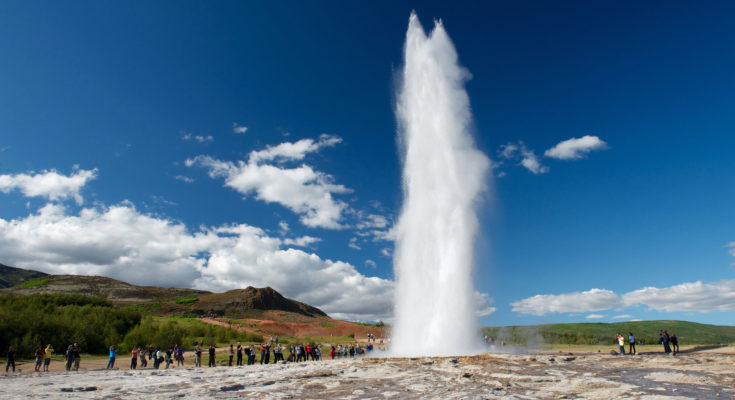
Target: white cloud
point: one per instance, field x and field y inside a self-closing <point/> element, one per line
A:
<point x="184" y="178"/>
<point x="575" y="148"/>
<point x="239" y="128"/>
<point x="303" y="190"/>
<point x="303" y="241"/>
<point x="372" y="221"/>
<point x="294" y="150"/>
<point x="49" y="184"/>
<point x="525" y="157"/>
<point x="622" y="316"/>
<point x="120" y="242"/>
<point x="353" y="244"/>
<point x="386" y="252"/>
<point x="197" y="138"/>
<point x="576" y="302"/>
<point x="371" y="264"/>
<point x="693" y="296"/>
<point x="483" y="304"/>
<point x="531" y="162"/>
<point x="284" y="226"/>
<point x="595" y="316"/>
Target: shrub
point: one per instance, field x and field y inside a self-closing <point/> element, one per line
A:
<point x="37" y="282"/>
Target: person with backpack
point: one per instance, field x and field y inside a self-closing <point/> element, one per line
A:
<point x="674" y="343"/>
<point x="197" y="355"/>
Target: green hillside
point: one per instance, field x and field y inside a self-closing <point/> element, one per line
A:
<point x="604" y="333"/>
<point x="11" y="276"/>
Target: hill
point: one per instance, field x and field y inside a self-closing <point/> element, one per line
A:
<point x="604" y="333"/>
<point x="248" y="302"/>
<point x="11" y="276"/>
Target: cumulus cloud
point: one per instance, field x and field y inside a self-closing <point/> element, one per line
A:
<point x="483" y="304"/>
<point x="595" y="316"/>
<point x="120" y="242"/>
<point x="622" y="316"/>
<point x="239" y="128"/>
<point x="575" y="148"/>
<point x="691" y="296"/>
<point x="197" y="138"/>
<point x="294" y="150"/>
<point x="576" y="302"/>
<point x="303" y="241"/>
<point x="49" y="184"/>
<point x="302" y="189"/>
<point x="525" y="157"/>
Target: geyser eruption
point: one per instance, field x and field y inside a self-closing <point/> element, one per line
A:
<point x="443" y="177"/>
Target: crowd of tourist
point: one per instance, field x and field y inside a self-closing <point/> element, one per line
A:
<point x="669" y="342"/>
<point x="238" y="354"/>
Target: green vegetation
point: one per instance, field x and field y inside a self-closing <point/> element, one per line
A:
<point x="187" y="300"/>
<point x="327" y="325"/>
<point x="646" y="332"/>
<point x="40" y="319"/>
<point x="37" y="282"/>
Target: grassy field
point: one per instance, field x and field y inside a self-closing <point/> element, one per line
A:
<point x="646" y="332"/>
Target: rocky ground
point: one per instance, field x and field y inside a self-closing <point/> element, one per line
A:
<point x="701" y="375"/>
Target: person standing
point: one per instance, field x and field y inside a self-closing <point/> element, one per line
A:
<point x="77" y="354"/>
<point x="674" y="343"/>
<point x="143" y="359"/>
<point x="69" y="357"/>
<point x="39" y="358"/>
<point x="47" y="356"/>
<point x="232" y="355"/>
<point x="239" y="354"/>
<point x="631" y="343"/>
<point x="134" y="358"/>
<point x="11" y="359"/>
<point x="212" y="360"/>
<point x="197" y="356"/>
<point x="621" y="343"/>
<point x="113" y="355"/>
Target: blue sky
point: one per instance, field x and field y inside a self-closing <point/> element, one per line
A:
<point x="123" y="150"/>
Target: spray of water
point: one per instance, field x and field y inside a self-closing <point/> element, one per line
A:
<point x="443" y="177"/>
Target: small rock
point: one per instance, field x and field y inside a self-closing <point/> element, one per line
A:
<point x="67" y="389"/>
<point x="454" y="361"/>
<point x="466" y="375"/>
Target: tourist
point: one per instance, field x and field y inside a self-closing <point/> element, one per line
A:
<point x="39" y="358"/>
<point x="179" y="356"/>
<point x="331" y="352"/>
<point x="674" y="343"/>
<point x="197" y="355"/>
<point x="151" y="352"/>
<point x="212" y="360"/>
<point x="11" y="359"/>
<point x="143" y="361"/>
<point x="169" y="357"/>
<point x="47" y="356"/>
<point x="621" y="343"/>
<point x="267" y="352"/>
<point x="276" y="339"/>
<point x="113" y="354"/>
<point x="69" y="357"/>
<point x="232" y="355"/>
<point x="665" y="339"/>
<point x="299" y="353"/>
<point x="134" y="358"/>
<point x="239" y="354"/>
<point x="631" y="341"/>
<point x="77" y="354"/>
<point x="251" y="355"/>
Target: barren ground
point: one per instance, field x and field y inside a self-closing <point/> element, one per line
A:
<point x="699" y="375"/>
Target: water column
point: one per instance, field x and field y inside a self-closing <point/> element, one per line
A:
<point x="444" y="176"/>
